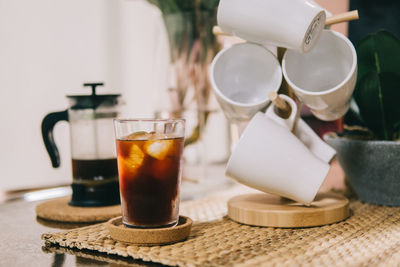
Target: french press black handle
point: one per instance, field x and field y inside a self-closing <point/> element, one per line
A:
<point x="48" y="124"/>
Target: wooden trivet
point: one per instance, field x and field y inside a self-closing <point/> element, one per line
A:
<point x="273" y="211"/>
<point x="151" y="236"/>
<point x="59" y="210"/>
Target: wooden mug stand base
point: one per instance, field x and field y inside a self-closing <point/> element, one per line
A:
<point x="274" y="211"/>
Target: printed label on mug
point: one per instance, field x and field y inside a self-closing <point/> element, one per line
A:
<point x="313" y="31"/>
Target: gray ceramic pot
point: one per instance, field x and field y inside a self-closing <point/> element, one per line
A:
<point x="372" y="168"/>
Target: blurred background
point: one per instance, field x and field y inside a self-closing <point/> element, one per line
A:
<point x="49" y="48"/>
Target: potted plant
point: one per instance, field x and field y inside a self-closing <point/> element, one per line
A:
<point x="369" y="148"/>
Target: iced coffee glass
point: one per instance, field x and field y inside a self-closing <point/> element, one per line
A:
<point x="149" y="154"/>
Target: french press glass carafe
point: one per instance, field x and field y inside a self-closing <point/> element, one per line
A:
<point x="94" y="164"/>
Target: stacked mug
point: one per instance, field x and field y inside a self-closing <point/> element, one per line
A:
<point x="281" y="156"/>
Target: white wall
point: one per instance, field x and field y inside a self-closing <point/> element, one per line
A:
<point x="336" y="7"/>
<point x="48" y="48"/>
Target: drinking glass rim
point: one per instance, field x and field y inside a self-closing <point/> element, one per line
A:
<point x="150" y="120"/>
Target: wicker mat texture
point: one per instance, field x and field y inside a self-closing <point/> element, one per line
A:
<point x="370" y="237"/>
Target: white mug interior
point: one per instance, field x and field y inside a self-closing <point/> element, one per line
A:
<point x="242" y="76"/>
<point x="315" y="77"/>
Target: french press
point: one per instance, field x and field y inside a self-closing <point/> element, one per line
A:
<point x="94" y="163"/>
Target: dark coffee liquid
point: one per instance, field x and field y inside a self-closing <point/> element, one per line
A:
<point x="94" y="171"/>
<point x="149" y="181"/>
<point x="95" y="182"/>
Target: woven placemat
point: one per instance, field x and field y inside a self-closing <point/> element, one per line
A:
<point x="371" y="236"/>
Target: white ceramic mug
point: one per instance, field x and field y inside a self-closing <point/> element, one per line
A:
<point x="268" y="157"/>
<point x="293" y="24"/>
<point x="302" y="131"/>
<point x="242" y="76"/>
<point x="324" y="79"/>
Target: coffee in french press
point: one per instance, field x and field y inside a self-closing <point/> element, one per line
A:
<point x="94" y="164"/>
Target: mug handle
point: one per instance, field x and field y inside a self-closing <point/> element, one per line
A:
<point x="302" y="131"/>
<point x="289" y="122"/>
<point x="313" y="142"/>
<point x="48" y="123"/>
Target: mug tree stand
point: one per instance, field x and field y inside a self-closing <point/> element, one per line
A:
<point x="274" y="211"/>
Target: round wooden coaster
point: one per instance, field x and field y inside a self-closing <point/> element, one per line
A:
<point x="59" y="210"/>
<point x="273" y="211"/>
<point x="150" y="236"/>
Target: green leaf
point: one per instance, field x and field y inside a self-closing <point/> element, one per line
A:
<point x="166" y="6"/>
<point x="173" y="6"/>
<point x="377" y="96"/>
<point x="377" y="92"/>
<point x="186" y="5"/>
<point x="209" y="4"/>
<point x="379" y="52"/>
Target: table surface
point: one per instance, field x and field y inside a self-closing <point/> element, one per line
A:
<point x="21" y="230"/>
<point x="21" y="243"/>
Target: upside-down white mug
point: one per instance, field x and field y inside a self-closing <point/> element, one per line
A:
<point x="270" y="158"/>
<point x="323" y="79"/>
<point x="302" y="131"/>
<point x="242" y="76"/>
<point x="293" y="24"/>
